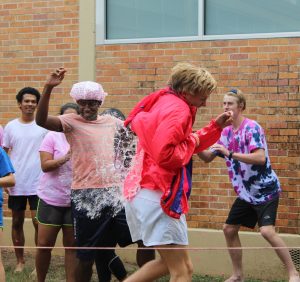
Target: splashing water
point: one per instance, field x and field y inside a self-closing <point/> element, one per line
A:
<point x="111" y="174"/>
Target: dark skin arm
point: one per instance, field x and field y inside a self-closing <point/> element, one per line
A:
<point x="42" y="118"/>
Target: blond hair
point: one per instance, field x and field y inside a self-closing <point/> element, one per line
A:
<point x="240" y="97"/>
<point x="187" y="78"/>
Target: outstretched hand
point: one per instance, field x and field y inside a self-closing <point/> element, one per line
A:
<point x="224" y="119"/>
<point x="56" y="77"/>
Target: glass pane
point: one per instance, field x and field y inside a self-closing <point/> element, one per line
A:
<point x="127" y="19"/>
<point x="251" y="16"/>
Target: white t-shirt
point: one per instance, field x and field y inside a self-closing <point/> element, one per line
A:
<point x="24" y="140"/>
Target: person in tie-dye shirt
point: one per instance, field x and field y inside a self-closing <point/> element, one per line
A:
<point x="243" y="146"/>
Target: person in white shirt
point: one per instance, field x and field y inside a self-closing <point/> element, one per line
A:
<point x="22" y="139"/>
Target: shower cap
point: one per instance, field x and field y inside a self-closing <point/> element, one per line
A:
<point x="88" y="90"/>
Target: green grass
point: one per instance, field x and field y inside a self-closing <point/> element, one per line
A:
<point x="57" y="274"/>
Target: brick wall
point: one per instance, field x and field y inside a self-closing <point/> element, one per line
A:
<point x="35" y="38"/>
<point x="266" y="70"/>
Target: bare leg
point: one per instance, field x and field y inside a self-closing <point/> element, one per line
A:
<point x="269" y="233"/>
<point x="2" y="271"/>
<point x="150" y="271"/>
<point x="35" y="225"/>
<point x="71" y="261"/>
<point x="231" y="233"/>
<point x="179" y="264"/>
<point x="18" y="238"/>
<point x="176" y="262"/>
<point x="46" y="238"/>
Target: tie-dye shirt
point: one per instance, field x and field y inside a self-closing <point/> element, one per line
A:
<point x="254" y="184"/>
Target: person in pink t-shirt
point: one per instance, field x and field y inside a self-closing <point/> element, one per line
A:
<point x="54" y="206"/>
<point x="96" y="196"/>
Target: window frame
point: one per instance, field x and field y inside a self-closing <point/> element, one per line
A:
<point x="100" y="29"/>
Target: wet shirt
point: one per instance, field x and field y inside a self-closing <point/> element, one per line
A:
<point x="255" y="184"/>
<point x="101" y="151"/>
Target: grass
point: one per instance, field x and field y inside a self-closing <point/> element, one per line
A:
<point x="56" y="271"/>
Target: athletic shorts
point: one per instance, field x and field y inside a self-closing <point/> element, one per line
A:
<point x="103" y="231"/>
<point x="53" y="215"/>
<point x="18" y="203"/>
<point x="150" y="224"/>
<point x="245" y="214"/>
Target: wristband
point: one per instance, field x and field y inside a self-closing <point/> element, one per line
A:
<point x="230" y="155"/>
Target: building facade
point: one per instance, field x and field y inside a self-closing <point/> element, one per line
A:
<point x="130" y="46"/>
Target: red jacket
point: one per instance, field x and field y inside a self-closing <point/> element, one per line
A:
<point x="163" y="123"/>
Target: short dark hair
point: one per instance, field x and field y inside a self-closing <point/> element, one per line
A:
<point x="114" y="112"/>
<point x="28" y="90"/>
<point x="66" y="106"/>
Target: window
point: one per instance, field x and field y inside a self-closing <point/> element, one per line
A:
<point x="151" y="19"/>
<point x="254" y="16"/>
<point x="122" y="21"/>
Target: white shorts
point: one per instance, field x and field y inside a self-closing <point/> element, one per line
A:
<point x="148" y="222"/>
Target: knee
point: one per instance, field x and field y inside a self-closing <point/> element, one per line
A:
<point x="17" y="223"/>
<point x="185" y="271"/>
<point x="229" y="231"/>
<point x="189" y="268"/>
<point x="267" y="232"/>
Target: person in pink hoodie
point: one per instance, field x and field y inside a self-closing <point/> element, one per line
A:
<point x="159" y="183"/>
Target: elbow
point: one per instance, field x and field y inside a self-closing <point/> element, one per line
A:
<point x="39" y="122"/>
<point x="46" y="169"/>
<point x="262" y="161"/>
<point x="10" y="181"/>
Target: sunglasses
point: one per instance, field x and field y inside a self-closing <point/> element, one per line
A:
<point x="90" y="103"/>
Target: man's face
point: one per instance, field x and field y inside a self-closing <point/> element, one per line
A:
<point x="198" y="100"/>
<point x="88" y="109"/>
<point x="230" y="103"/>
<point x="28" y="104"/>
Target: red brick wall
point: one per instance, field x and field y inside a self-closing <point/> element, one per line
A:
<point x="266" y="70"/>
<point x="35" y="38"/>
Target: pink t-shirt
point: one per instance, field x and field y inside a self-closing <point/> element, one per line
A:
<point x="92" y="150"/>
<point x="55" y="186"/>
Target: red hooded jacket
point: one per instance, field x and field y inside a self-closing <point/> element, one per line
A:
<point x="163" y="123"/>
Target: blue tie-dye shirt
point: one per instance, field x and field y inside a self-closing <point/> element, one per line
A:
<point x="254" y="184"/>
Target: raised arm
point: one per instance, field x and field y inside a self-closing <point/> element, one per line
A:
<point x="42" y="118"/>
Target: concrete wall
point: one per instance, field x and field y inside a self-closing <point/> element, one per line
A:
<point x="260" y="262"/>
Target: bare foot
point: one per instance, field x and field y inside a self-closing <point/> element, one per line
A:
<point x="235" y="278"/>
<point x="20" y="267"/>
<point x="295" y="278"/>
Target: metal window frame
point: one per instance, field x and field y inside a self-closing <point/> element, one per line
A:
<point x="101" y="31"/>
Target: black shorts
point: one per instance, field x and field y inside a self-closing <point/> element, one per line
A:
<point x="19" y="203"/>
<point x="103" y="231"/>
<point x="53" y="215"/>
<point x="245" y="214"/>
